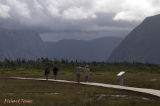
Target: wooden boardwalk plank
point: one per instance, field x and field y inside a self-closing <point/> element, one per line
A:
<point x="141" y="90"/>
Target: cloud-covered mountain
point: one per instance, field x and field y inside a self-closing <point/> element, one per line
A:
<point x="20" y="44"/>
<point x="82" y="50"/>
<point x="27" y="44"/>
<point x="141" y="45"/>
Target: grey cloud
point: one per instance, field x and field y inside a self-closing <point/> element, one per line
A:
<point x="75" y="16"/>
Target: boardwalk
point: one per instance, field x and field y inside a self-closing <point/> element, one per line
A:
<point x="142" y="90"/>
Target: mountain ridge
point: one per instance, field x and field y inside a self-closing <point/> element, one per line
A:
<point x="20" y="44"/>
<point x="27" y="44"/>
<point x="141" y="44"/>
<point x="83" y="50"/>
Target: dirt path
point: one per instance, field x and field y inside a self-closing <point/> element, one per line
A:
<point x="142" y="90"/>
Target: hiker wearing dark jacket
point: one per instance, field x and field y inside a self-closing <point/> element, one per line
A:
<point x="47" y="73"/>
<point x="55" y="72"/>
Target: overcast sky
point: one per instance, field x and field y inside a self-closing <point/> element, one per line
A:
<point x="77" y="19"/>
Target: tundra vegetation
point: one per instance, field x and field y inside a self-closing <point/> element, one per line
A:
<point x="65" y="94"/>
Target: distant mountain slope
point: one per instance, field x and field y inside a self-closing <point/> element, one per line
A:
<point x="27" y="44"/>
<point x="81" y="50"/>
<point x="141" y="45"/>
<point x="20" y="44"/>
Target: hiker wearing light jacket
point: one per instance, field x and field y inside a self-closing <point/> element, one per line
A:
<point x="86" y="73"/>
<point x="78" y="70"/>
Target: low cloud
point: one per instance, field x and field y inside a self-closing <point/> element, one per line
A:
<point x="78" y="14"/>
<point x="4" y="11"/>
<point x="127" y="10"/>
<point x="17" y="7"/>
<point x="137" y="10"/>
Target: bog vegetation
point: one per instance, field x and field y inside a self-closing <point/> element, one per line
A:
<point x="50" y="93"/>
<point x="42" y="63"/>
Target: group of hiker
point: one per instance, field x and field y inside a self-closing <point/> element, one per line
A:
<point x="55" y="72"/>
<point x="78" y="70"/>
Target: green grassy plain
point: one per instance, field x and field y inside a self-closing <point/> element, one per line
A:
<point x="137" y="75"/>
<point x="62" y="94"/>
<point x="45" y="93"/>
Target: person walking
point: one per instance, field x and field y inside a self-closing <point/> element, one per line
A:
<point x="78" y="73"/>
<point x="55" y="72"/>
<point x="46" y="73"/>
<point x="86" y="73"/>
